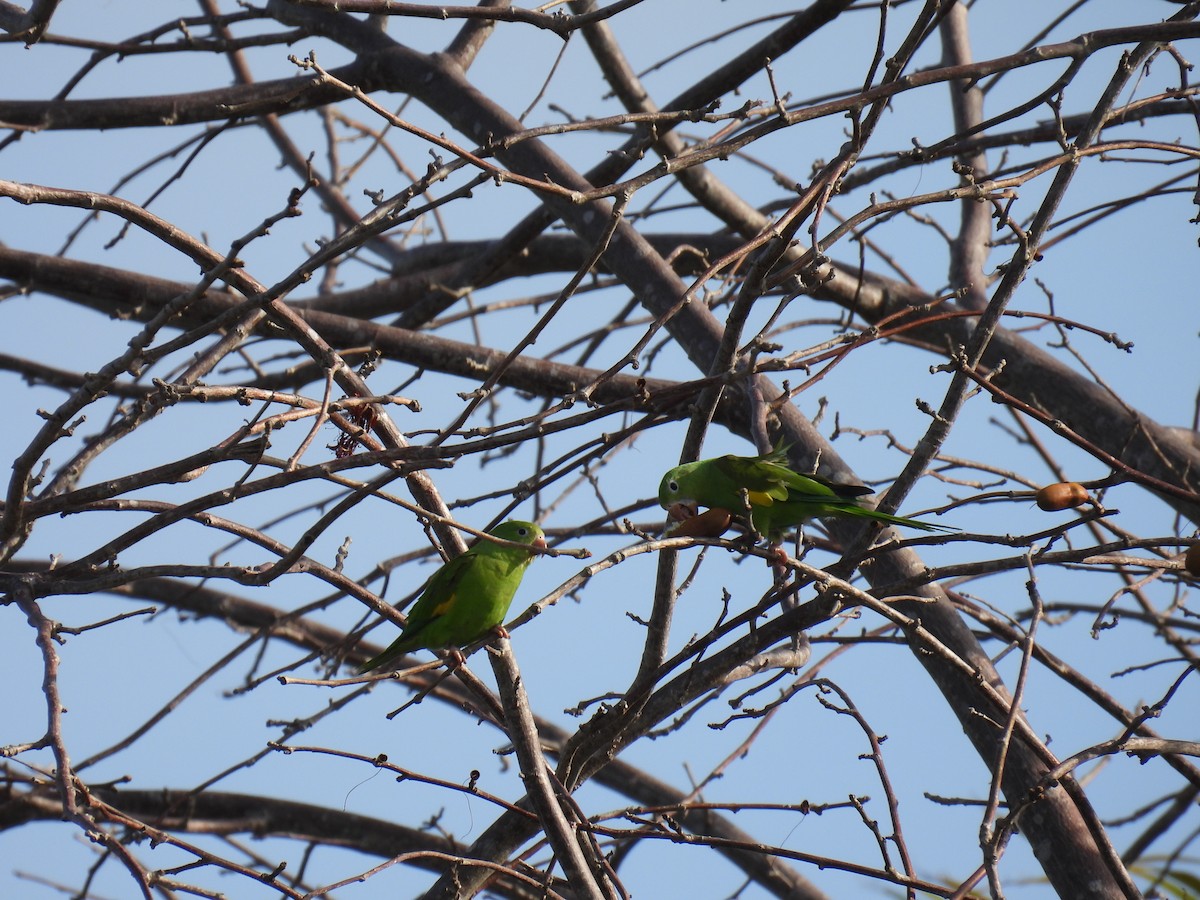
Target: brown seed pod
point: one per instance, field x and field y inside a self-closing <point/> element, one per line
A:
<point x="1191" y="560"/>
<point x="1063" y="495"/>
<point x="710" y="523"/>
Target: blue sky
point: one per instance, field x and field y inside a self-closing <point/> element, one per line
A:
<point x="1134" y="274"/>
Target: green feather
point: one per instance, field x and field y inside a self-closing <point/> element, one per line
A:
<point x="776" y="497"/>
<point x="468" y="596"/>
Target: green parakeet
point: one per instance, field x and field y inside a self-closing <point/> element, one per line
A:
<point x="779" y="498"/>
<point x="468" y="596"/>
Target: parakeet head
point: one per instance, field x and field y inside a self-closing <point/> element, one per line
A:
<point x="520" y="533"/>
<point x="675" y="487"/>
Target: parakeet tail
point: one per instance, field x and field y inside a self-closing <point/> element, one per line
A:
<point x="863" y="513"/>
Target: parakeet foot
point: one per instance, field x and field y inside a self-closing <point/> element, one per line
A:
<point x="778" y="562"/>
<point x="496" y="632"/>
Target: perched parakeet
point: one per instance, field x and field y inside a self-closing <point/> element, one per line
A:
<point x="468" y="596"/>
<point x="779" y="498"/>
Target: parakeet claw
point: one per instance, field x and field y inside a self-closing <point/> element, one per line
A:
<point x="496" y="632"/>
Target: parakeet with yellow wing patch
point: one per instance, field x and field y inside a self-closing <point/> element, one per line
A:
<point x="468" y="596"/>
<point x="775" y="496"/>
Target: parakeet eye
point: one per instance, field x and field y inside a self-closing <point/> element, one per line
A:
<point x="673" y="486"/>
<point x="522" y="531"/>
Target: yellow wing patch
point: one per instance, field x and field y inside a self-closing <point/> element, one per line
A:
<point x="444" y="607"/>
<point x="760" y="498"/>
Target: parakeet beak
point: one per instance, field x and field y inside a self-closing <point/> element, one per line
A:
<point x="683" y="510"/>
<point x="539" y="543"/>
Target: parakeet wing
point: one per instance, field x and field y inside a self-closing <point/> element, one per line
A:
<point x="765" y="479"/>
<point x="435" y="601"/>
<point x="768" y="479"/>
<point x="755" y="474"/>
<point x="438" y="597"/>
